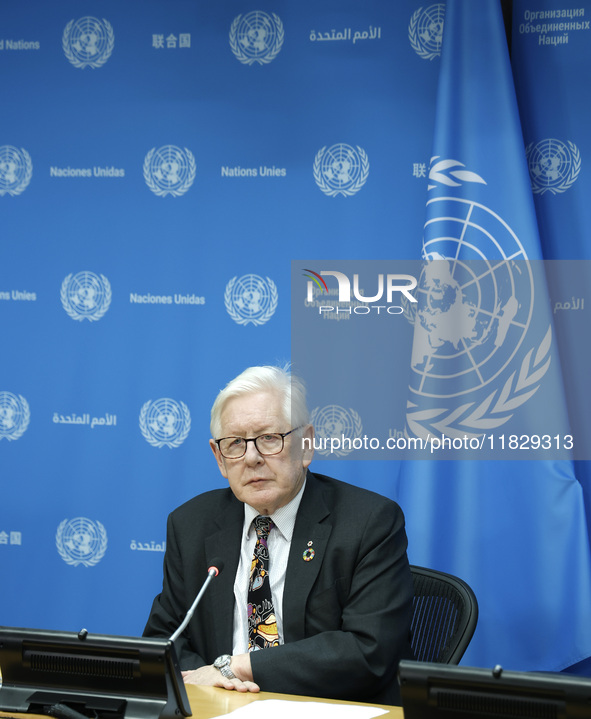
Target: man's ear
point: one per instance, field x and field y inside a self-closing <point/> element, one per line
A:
<point x="218" y="458"/>
<point x="308" y="444"/>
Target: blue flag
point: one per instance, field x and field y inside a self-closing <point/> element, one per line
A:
<point x="498" y="504"/>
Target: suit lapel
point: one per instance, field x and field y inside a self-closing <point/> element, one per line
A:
<point x="225" y="545"/>
<point x="309" y="533"/>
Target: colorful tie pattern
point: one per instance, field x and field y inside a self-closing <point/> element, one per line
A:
<point x="262" y="624"/>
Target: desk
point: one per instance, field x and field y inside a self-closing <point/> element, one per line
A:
<point x="208" y="702"/>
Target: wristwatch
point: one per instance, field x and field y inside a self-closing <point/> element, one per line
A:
<point x="223" y="664"/>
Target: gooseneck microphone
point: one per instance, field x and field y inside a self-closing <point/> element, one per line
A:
<point x="213" y="571"/>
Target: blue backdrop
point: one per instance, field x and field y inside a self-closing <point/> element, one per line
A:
<point x="161" y="165"/>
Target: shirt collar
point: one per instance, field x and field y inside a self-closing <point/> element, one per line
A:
<point x="284" y="518"/>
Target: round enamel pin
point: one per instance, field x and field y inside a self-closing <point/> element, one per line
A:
<point x="308" y="555"/>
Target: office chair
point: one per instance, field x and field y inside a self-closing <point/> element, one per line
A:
<point x="445" y="612"/>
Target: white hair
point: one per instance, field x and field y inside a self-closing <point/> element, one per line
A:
<point x="264" y="379"/>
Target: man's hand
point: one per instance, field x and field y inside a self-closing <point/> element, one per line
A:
<point x="212" y="677"/>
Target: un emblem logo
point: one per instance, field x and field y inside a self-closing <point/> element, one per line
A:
<point x="425" y="31"/>
<point x="256" y="37"/>
<point x="335" y="422"/>
<point x="475" y="306"/>
<point x="14" y="416"/>
<point x="251" y="299"/>
<point x="88" y="42"/>
<point x="341" y="170"/>
<point x="165" y="422"/>
<point x="81" y="541"/>
<point x="169" y="170"/>
<point x="86" y="296"/>
<point x="16" y="170"/>
<point x="553" y="165"/>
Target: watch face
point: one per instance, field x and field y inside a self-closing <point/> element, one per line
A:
<point x="222" y="661"/>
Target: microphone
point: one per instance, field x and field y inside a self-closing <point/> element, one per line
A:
<point x="213" y="571"/>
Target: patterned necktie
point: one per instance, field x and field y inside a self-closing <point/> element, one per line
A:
<point x="262" y="624"/>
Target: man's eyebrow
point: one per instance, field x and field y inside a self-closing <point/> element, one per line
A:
<point x="255" y="432"/>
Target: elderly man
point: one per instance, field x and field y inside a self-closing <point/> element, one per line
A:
<point x="315" y="596"/>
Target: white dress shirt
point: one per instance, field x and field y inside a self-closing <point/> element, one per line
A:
<point x="279" y="543"/>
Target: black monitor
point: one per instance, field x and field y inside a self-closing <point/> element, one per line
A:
<point x="96" y="675"/>
<point x="443" y="691"/>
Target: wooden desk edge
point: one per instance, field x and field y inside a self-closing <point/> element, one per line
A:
<point x="209" y="702"/>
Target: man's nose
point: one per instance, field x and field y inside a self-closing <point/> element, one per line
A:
<point x="252" y="455"/>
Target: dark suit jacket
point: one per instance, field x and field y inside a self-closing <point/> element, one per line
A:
<point x="346" y="613"/>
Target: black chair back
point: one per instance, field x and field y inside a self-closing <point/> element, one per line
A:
<point x="445" y="613"/>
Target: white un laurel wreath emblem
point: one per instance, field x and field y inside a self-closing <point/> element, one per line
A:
<point x="471" y="319"/>
<point x="88" y="42"/>
<point x="14" y="416"/>
<point x="425" y="31"/>
<point x="169" y="170"/>
<point x="16" y="170"/>
<point x="553" y="165"/>
<point x="165" y="422"/>
<point x="250" y="299"/>
<point x="256" y="37"/>
<point x="86" y="296"/>
<point x="334" y="421"/>
<point x="81" y="541"/>
<point x="341" y="170"/>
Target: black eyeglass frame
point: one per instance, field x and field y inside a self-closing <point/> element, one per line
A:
<point x="283" y="435"/>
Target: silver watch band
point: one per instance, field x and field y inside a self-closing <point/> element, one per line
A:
<point x="227" y="672"/>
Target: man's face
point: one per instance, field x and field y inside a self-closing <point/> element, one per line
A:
<point x="266" y="483"/>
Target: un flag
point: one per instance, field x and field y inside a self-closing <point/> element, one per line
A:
<point x="485" y="366"/>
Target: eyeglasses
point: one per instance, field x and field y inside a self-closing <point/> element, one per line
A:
<point x="266" y="444"/>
